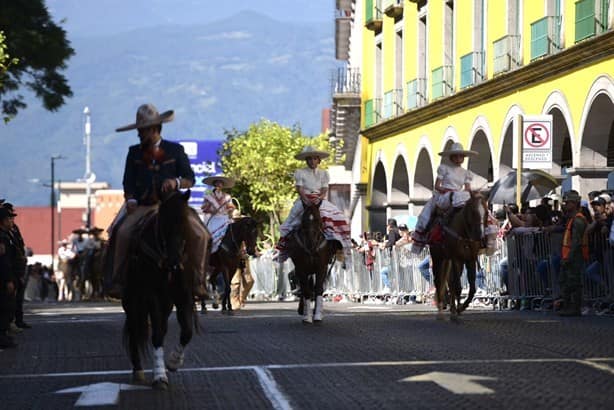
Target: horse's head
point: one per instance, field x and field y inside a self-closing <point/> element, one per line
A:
<point x="311" y="224"/>
<point x="475" y="216"/>
<point x="173" y="223"/>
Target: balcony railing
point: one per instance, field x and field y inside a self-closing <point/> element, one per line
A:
<point x="393" y="103"/>
<point x="416" y="93"/>
<point x="545" y="36"/>
<point x="472" y="69"/>
<point x="591" y="18"/>
<point x="442" y="81"/>
<point x="373" y="110"/>
<point x="373" y="14"/>
<point x="346" y="81"/>
<point x="507" y="53"/>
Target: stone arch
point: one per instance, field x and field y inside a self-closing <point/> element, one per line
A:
<point x="399" y="188"/>
<point x="481" y="165"/>
<point x="506" y="148"/>
<point x="562" y="132"/>
<point x="423" y="178"/>
<point x="595" y="157"/>
<point x="379" y="199"/>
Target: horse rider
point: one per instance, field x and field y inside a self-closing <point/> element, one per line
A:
<point x="154" y="167"/>
<point x="312" y="187"/>
<point x="217" y="207"/>
<point x="452" y="188"/>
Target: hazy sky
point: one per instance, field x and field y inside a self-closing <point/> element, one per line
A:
<point x="94" y="17"/>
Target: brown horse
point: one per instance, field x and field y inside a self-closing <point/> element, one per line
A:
<point x="227" y="258"/>
<point x="311" y="253"/>
<point x="462" y="230"/>
<point x="156" y="282"/>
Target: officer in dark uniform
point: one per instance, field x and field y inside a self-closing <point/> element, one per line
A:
<point x="7" y="279"/>
<point x="19" y="268"/>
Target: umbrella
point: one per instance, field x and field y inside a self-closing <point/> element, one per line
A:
<point x="535" y="184"/>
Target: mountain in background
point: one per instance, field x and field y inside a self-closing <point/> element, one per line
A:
<point x="217" y="76"/>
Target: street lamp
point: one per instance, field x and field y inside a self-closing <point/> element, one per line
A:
<point x="53" y="159"/>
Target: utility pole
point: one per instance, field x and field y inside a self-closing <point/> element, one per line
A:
<point x="89" y="176"/>
<point x="52" y="206"/>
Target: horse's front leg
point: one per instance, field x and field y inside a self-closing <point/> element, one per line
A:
<point x="158" y="331"/>
<point x="319" y="292"/>
<point x="441" y="271"/>
<point x="471" y="275"/>
<point x="185" y="317"/>
<point x="455" y="287"/>
<point x="226" y="304"/>
<point x="307" y="291"/>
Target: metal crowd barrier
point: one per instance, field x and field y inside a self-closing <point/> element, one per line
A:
<point x="534" y="264"/>
<point x="524" y="269"/>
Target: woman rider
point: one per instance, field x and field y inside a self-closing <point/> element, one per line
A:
<point x="217" y="207"/>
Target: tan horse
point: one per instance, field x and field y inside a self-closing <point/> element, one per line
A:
<point x="462" y="239"/>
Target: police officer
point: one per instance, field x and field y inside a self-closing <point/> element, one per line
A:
<point x="7" y="279"/>
<point x="20" y="266"/>
<point x="574" y="255"/>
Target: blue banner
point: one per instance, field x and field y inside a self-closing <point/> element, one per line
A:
<point x="205" y="162"/>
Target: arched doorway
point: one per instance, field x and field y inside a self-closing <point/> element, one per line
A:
<point x="424" y="181"/>
<point x="399" y="193"/>
<point x="480" y="165"/>
<point x="379" y="195"/>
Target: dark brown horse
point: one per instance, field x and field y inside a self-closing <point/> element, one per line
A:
<point x="463" y="230"/>
<point x="227" y="258"/>
<point x="311" y="254"/>
<point x="156" y="282"/>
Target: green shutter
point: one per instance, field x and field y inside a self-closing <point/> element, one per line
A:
<point x="387" y="105"/>
<point x="369" y="113"/>
<point x="369" y="11"/>
<point x="539" y="38"/>
<point x="466" y="66"/>
<point x="585" y="19"/>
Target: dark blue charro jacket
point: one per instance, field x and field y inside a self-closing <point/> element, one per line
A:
<point x="145" y="173"/>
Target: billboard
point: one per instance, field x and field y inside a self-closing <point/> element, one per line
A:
<point x="204" y="162"/>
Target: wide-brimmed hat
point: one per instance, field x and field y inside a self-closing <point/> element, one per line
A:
<point x="457" y="149"/>
<point x="311" y="151"/>
<point x="226" y="181"/>
<point x="146" y="116"/>
<point x="572" y="196"/>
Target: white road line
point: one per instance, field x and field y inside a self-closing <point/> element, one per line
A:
<point x="598" y="366"/>
<point x="594" y="362"/>
<point x="271" y="390"/>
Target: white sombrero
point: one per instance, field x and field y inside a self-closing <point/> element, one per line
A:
<point x="227" y="182"/>
<point x="310" y="151"/>
<point x="457" y="149"/>
<point x="146" y="116"/>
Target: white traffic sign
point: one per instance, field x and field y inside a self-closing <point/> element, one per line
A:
<point x="537" y="142"/>
<point x="100" y="394"/>
<point x="457" y="383"/>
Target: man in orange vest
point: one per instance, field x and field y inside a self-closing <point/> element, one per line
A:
<point x="574" y="255"/>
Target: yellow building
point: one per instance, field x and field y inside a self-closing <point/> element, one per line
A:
<point x="435" y="72"/>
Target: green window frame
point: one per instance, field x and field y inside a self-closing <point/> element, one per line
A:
<point x="540" y="41"/>
<point x="466" y="67"/>
<point x="412" y="94"/>
<point x="369" y="115"/>
<point x="438" y="83"/>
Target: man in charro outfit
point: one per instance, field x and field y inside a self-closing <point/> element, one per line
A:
<point x="574" y="255"/>
<point x="153" y="167"/>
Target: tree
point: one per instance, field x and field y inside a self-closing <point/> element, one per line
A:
<point x="262" y="162"/>
<point x="41" y="49"/>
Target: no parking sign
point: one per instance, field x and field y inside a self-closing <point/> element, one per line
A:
<point x="537" y="142"/>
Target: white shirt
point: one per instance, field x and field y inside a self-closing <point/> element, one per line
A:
<point x="453" y="177"/>
<point x="312" y="180"/>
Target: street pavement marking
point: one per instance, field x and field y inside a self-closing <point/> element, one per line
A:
<point x="598" y="366"/>
<point x="594" y="362"/>
<point x="269" y="385"/>
<point x="457" y="383"/>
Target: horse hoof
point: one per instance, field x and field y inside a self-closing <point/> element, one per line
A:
<point x="138" y="376"/>
<point x="307" y="321"/>
<point x="160" y="384"/>
<point x="215" y="305"/>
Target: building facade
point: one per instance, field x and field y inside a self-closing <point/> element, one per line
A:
<point x="434" y="72"/>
